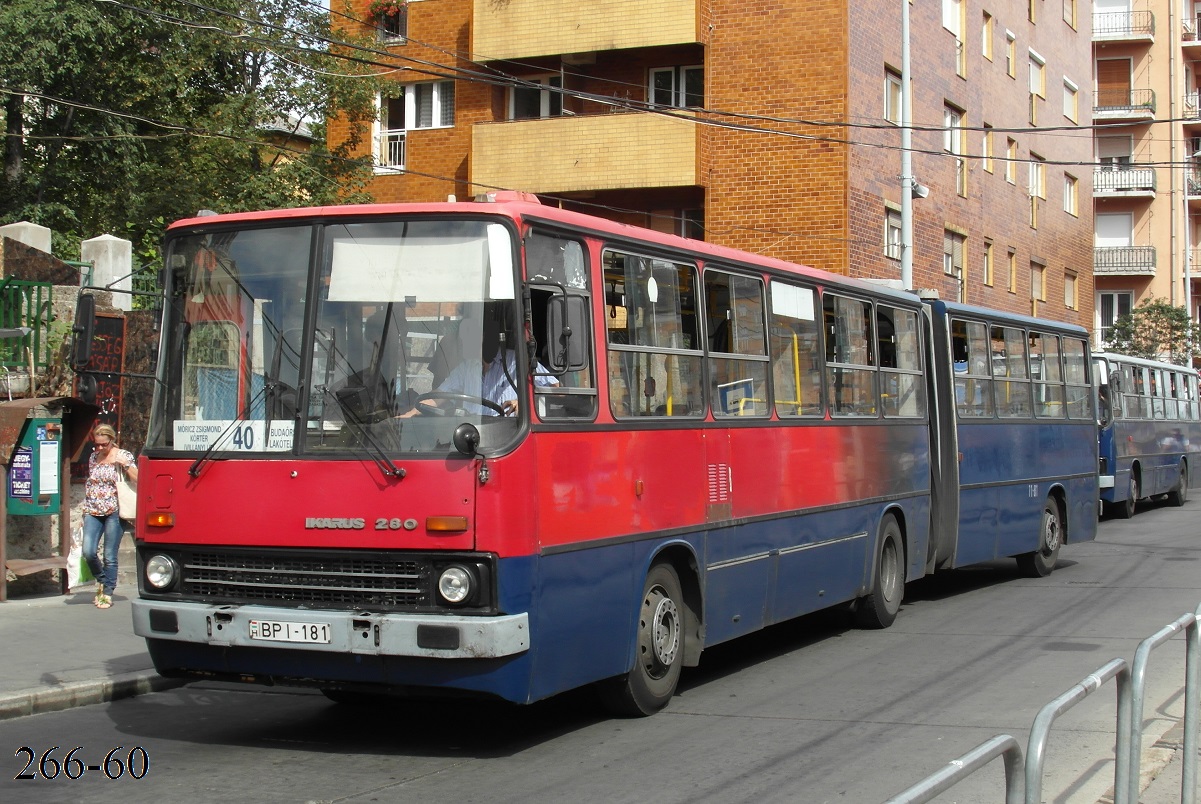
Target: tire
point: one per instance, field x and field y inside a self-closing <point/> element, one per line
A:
<point x="659" y="652"/>
<point x="1125" y="509"/>
<point x="879" y="609"/>
<point x="1179" y="495"/>
<point x="1050" y="538"/>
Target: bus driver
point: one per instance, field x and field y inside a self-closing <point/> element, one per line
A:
<point x="489" y="377"/>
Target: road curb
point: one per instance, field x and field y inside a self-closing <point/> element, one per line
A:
<point x="23" y="703"/>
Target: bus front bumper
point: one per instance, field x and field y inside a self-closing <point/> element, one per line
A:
<point x="439" y="636"/>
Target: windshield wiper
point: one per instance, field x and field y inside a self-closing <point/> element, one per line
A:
<point x="377" y="453"/>
<point x="194" y="469"/>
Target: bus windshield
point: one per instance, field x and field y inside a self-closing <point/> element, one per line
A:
<point x="380" y="346"/>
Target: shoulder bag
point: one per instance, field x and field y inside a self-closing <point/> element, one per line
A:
<point x="127" y="497"/>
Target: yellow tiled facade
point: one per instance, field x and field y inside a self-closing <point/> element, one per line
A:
<point x="520" y="29"/>
<point x="572" y="154"/>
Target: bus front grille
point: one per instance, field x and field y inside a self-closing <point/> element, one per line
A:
<point x="290" y="578"/>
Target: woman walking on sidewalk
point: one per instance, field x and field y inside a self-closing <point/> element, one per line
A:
<point x="100" y="514"/>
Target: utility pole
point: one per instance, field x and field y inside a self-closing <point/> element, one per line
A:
<point x="908" y="182"/>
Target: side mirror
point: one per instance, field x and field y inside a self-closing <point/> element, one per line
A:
<point x="466" y="439"/>
<point x="83" y="331"/>
<point x="567" y="333"/>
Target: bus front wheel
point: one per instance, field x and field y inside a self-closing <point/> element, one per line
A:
<point x="879" y="609"/>
<point x="1050" y="537"/>
<point x="1125" y="509"/>
<point x="659" y="652"/>
<point x="1178" y="495"/>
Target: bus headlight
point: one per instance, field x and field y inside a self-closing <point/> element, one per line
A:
<point x="160" y="572"/>
<point x="455" y="584"/>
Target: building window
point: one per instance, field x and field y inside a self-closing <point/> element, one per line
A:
<point x="1038" y="285"/>
<point x="425" y="105"/>
<point x="1013" y="271"/>
<point x="952" y="143"/>
<point x="1112" y="305"/>
<point x="952" y="259"/>
<point x="1011" y="160"/>
<point x="536" y="98"/>
<point x="1071" y="291"/>
<point x="1011" y="54"/>
<point x="678" y="87"/>
<point x="393" y="23"/>
<point x="892" y="234"/>
<point x="987" y="151"/>
<point x="892" y="97"/>
<point x="1070" y="194"/>
<point x="953" y="20"/>
<point x="951" y="16"/>
<point x="987" y="264"/>
<point x="1032" y="10"/>
<point x="1069" y="12"/>
<point x="1037" y="186"/>
<point x="986" y="35"/>
<point x="1071" y="100"/>
<point x="1038" y="75"/>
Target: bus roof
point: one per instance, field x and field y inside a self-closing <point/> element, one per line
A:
<point x="526" y="207"/>
<point x="1142" y="361"/>
<point x="1017" y="318"/>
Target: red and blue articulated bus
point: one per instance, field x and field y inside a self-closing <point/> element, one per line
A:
<point x="1150" y="430"/>
<point x="507" y="450"/>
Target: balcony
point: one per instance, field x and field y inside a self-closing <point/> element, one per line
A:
<point x="1123" y="26"/>
<point x="583" y="153"/>
<point x="1190" y="38"/>
<point x="1124" y="260"/>
<point x="1135" y="105"/>
<point x="1124" y="182"/>
<point x="390" y="149"/>
<point x="524" y="29"/>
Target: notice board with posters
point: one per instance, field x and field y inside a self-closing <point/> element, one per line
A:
<point x="105" y="367"/>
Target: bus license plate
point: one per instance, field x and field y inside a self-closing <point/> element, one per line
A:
<point x="272" y="631"/>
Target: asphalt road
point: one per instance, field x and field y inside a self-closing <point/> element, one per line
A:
<point x="813" y="711"/>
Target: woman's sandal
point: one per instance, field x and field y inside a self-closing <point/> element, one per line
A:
<point x="103" y="601"/>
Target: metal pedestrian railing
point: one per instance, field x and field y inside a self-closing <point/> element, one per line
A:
<point x="1023" y="774"/>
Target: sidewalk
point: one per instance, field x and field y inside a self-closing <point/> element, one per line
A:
<point x="61" y="651"/>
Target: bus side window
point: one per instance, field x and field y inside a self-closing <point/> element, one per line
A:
<point x="796" y="352"/>
<point x="851" y="380"/>
<point x="1047" y="374"/>
<point x="1078" y="397"/>
<point x="973" y="380"/>
<point x="903" y="388"/>
<point x="654" y="353"/>
<point x="737" y="347"/>
<point x="561" y="261"/>
<point x="1011" y="372"/>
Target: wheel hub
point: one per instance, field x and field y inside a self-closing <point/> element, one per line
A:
<point x="664" y="633"/>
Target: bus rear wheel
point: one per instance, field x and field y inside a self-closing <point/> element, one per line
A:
<point x="1178" y="495"/>
<point x="1050" y="537"/>
<point x="659" y="652"/>
<point x="879" y="609"/>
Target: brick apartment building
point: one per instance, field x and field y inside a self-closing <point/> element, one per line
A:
<point x="1147" y="185"/>
<point x="767" y="126"/>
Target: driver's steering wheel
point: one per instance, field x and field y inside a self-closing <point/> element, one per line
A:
<point x="434" y="410"/>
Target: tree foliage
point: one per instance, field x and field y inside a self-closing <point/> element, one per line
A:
<point x="120" y="117"/>
<point x="1156" y="329"/>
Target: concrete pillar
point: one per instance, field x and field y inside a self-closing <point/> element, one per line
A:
<point x="30" y="234"/>
<point x="113" y="261"/>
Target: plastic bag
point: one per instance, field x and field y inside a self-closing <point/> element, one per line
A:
<point x="78" y="571"/>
